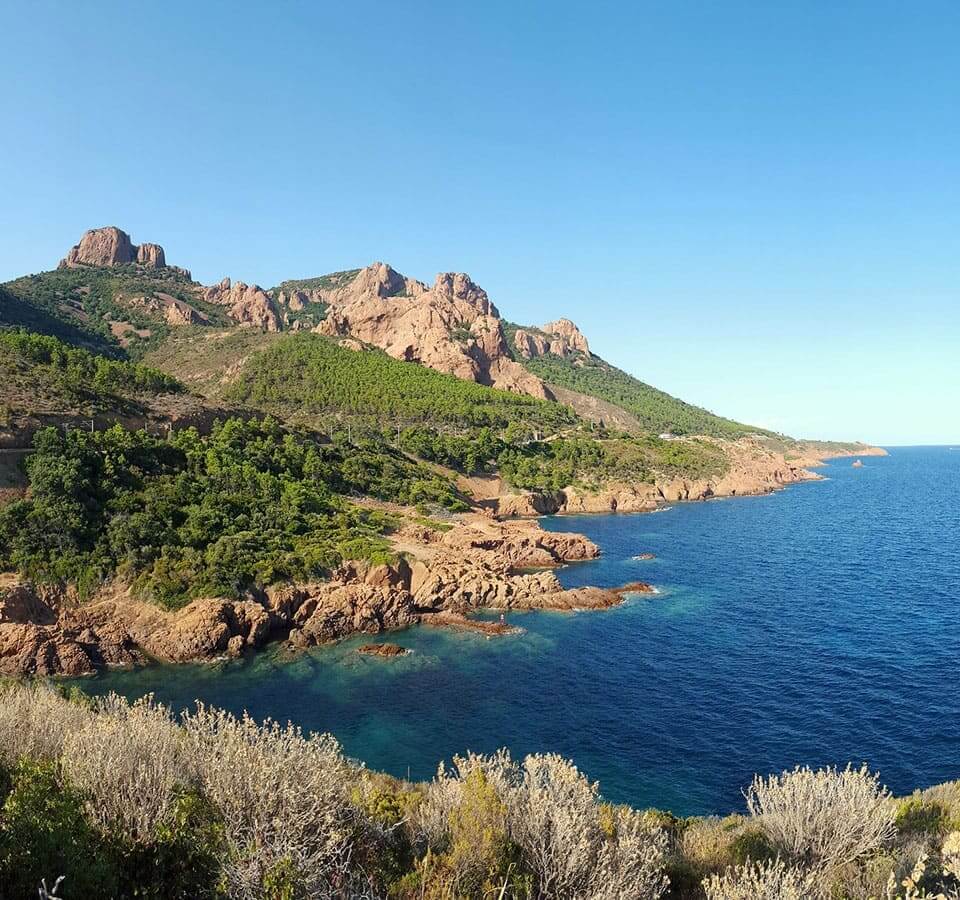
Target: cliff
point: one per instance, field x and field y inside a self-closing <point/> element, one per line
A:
<point x="110" y="246"/>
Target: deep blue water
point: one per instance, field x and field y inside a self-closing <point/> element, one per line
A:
<point x="817" y="625"/>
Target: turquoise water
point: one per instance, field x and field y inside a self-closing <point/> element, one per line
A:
<point x="819" y="625"/>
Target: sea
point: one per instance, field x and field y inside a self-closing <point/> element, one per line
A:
<point x="818" y="625"/>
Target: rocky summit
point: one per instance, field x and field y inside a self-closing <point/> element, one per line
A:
<point x="111" y="246"/>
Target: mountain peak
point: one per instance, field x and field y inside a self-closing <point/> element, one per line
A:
<point x="111" y="246"/>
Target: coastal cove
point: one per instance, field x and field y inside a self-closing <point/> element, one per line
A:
<point x="819" y="624"/>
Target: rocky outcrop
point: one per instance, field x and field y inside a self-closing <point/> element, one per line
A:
<point x="111" y="246"/>
<point x="567" y="338"/>
<point x="476" y="565"/>
<point x="452" y="327"/>
<point x="529" y="344"/>
<point x="386" y="651"/>
<point x="151" y="255"/>
<point x="246" y="304"/>
<point x="561" y="338"/>
<point x="38" y="636"/>
<point x="174" y="311"/>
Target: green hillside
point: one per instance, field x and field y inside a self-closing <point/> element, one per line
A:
<point x="656" y="410"/>
<point x="87" y="306"/>
<point x="313" y="375"/>
<point x="42" y="374"/>
<point x="190" y="515"/>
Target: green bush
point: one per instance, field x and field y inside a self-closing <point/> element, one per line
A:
<point x="249" y="505"/>
<point x="44" y="835"/>
<point x="924" y="817"/>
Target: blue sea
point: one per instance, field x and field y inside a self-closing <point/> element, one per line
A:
<point x="818" y="625"/>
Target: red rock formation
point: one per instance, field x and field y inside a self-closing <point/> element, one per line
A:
<point x="247" y="304"/>
<point x="112" y="247"/>
<point x="151" y="255"/>
<point x="452" y="327"/>
<point x="45" y="631"/>
<point x="569" y="338"/>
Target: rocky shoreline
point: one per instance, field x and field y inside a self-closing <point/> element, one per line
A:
<point x="439" y="578"/>
<point x="492" y="559"/>
<point x="753" y="469"/>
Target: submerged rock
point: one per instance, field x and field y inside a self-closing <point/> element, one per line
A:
<point x="385" y="650"/>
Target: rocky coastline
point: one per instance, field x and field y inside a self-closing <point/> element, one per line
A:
<point x="753" y="469"/>
<point x="494" y="558"/>
<point x="438" y="578"/>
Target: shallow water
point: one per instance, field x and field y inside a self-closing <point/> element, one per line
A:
<point x="817" y="625"/>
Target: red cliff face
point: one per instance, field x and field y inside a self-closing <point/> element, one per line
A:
<point x="452" y="327"/>
<point x="110" y="246"/>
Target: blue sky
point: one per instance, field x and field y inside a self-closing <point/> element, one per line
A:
<point x="755" y="206"/>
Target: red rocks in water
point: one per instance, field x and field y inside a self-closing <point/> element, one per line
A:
<point x="636" y="587"/>
<point x="460" y="622"/>
<point x="385" y="650"/>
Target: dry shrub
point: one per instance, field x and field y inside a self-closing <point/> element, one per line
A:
<point x="283" y="798"/>
<point x="432" y="819"/>
<point x="128" y="759"/>
<point x="631" y="864"/>
<point x="573" y="845"/>
<point x="35" y="721"/>
<point x="464" y="822"/>
<point x="707" y="843"/>
<point x="771" y="880"/>
<point x="825" y="818"/>
<point x="555" y="818"/>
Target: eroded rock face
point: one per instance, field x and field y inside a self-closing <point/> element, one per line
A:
<point x="246" y="304"/>
<point x="529" y="344"/>
<point x="452" y="327"/>
<point x="561" y="338"/>
<point x="174" y="311"/>
<point x="151" y="255"/>
<point x="569" y="338"/>
<point x="111" y="246"/>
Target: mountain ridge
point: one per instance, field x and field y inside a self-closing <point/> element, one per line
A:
<point x="135" y="302"/>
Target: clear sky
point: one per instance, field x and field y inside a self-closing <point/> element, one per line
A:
<point x="753" y="205"/>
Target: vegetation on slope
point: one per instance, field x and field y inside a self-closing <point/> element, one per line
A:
<point x="656" y="410"/>
<point x="192" y="516"/>
<point x="308" y="373"/>
<point x="124" y="800"/>
<point x="533" y="444"/>
<point x="588" y="459"/>
<point x="80" y="305"/>
<point x="328" y="282"/>
<point x="41" y="376"/>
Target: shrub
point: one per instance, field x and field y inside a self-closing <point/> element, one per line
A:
<point x="752" y="845"/>
<point x="823" y="818"/>
<point x="129" y="760"/>
<point x="35" y="721"/>
<point x="555" y="818"/>
<point x="771" y="880"/>
<point x="283" y="798"/>
<point x="915" y="815"/>
<point x="44" y="835"/>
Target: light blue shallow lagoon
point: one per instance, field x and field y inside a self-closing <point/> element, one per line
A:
<point x="818" y="625"/>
